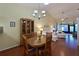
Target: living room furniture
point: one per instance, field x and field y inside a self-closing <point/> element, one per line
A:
<point x="74" y="34"/>
<point x="61" y="35"/>
<point x="26" y="27"/>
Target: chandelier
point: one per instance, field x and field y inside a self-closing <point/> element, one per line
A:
<point x="38" y="13"/>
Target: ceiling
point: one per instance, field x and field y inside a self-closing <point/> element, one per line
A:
<point x="58" y="10"/>
<point x="68" y="11"/>
<point x="64" y="10"/>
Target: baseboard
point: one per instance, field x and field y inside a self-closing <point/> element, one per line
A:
<point x="9" y="47"/>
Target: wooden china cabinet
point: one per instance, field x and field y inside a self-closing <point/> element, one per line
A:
<point x="26" y="28"/>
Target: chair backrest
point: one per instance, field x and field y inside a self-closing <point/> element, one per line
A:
<point x="34" y="34"/>
<point x="48" y="39"/>
<point x="25" y="42"/>
<point x="49" y="36"/>
<point x="48" y="43"/>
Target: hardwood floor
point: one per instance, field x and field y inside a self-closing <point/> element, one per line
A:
<point x="66" y="47"/>
<point x="17" y="51"/>
<point x="78" y="51"/>
<point x="62" y="47"/>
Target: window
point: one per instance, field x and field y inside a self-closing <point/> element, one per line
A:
<point x="59" y="27"/>
<point x="71" y="28"/>
<point x="76" y="27"/>
<point x="65" y="28"/>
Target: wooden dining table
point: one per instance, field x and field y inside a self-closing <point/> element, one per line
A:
<point x="35" y="42"/>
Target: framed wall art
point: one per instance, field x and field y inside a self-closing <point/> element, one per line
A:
<point x="12" y="23"/>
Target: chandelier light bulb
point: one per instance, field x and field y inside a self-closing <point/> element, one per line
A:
<point x="39" y="16"/>
<point x="35" y="11"/>
<point x="33" y="14"/>
<point x="44" y="15"/>
<point x="62" y="19"/>
<point x="43" y="11"/>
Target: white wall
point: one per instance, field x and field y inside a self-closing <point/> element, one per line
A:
<point x="13" y="12"/>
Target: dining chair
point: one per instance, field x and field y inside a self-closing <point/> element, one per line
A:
<point x="34" y="34"/>
<point x="48" y="43"/>
<point x="29" y="51"/>
<point x="46" y="49"/>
